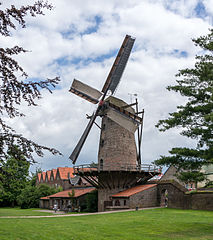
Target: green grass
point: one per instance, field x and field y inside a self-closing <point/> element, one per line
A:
<point x="22" y="212"/>
<point x="153" y="224"/>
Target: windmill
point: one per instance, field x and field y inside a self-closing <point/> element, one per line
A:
<point x="119" y="159"/>
<point x="119" y="114"/>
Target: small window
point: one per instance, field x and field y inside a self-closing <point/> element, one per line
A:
<point x="117" y="202"/>
<point x="101" y="164"/>
<point x="124" y="202"/>
<point x="102" y="143"/>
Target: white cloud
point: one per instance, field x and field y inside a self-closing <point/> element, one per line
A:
<point x="73" y="33"/>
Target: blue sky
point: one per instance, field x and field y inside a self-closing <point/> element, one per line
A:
<point x="80" y="39"/>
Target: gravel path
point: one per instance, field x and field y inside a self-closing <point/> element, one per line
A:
<point x="75" y="215"/>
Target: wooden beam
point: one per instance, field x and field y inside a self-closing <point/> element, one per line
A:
<point x="128" y="105"/>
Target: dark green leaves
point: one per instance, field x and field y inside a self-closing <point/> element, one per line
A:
<point x="195" y="118"/>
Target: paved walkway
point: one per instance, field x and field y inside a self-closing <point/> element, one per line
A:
<point x="75" y="215"/>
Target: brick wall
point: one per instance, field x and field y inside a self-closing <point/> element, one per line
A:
<point x="104" y="197"/>
<point x="117" y="146"/>
<point x="199" y="201"/>
<point x="170" y="175"/>
<point x="146" y="198"/>
<point x="176" y="193"/>
<point x="178" y="199"/>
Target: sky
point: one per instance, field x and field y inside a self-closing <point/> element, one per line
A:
<point x="80" y="39"/>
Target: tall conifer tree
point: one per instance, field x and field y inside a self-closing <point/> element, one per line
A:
<point x="195" y="118"/>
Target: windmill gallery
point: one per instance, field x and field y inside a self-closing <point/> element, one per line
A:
<point x="122" y="181"/>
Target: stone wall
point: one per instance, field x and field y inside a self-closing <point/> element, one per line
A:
<point x="175" y="194"/>
<point x="170" y="174"/>
<point x="199" y="201"/>
<point x="104" y="197"/>
<point x="146" y="198"/>
<point x="177" y="198"/>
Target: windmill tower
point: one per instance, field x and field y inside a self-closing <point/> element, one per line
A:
<point x="119" y="160"/>
<point x="117" y="146"/>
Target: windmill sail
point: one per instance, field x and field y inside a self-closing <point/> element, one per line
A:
<point x="83" y="90"/>
<point x="123" y="120"/>
<point x="83" y="138"/>
<point x="119" y="65"/>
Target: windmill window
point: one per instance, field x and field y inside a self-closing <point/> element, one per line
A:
<point x="104" y="126"/>
<point x="101" y="163"/>
<point x="102" y="142"/>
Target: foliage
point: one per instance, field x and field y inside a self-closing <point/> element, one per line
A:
<point x="192" y="176"/>
<point x="72" y="199"/>
<point x="13" y="175"/>
<point x="30" y="195"/>
<point x="93" y="164"/>
<point x="209" y="184"/>
<point x="195" y="118"/>
<point x="160" y="224"/>
<point x="15" y="86"/>
<point x="92" y="201"/>
<point x="72" y="195"/>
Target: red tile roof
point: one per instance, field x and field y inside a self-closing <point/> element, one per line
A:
<point x="43" y="175"/>
<point x="44" y="198"/>
<point x="63" y="172"/>
<point x="131" y="191"/>
<point x="78" y="192"/>
<point x="39" y="176"/>
<point x="54" y="172"/>
<point x="48" y="173"/>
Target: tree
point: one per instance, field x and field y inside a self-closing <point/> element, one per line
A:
<point x="15" y="86"/>
<point x="195" y="118"/>
<point x="72" y="199"/>
<point x="30" y="195"/>
<point x="92" y="201"/>
<point x="14" y="175"/>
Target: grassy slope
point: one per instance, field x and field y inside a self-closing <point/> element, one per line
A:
<point x="148" y="224"/>
<point x="21" y="212"/>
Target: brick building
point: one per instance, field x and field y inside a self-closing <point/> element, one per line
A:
<point x="63" y="177"/>
<point x="63" y="199"/>
<point x="139" y="196"/>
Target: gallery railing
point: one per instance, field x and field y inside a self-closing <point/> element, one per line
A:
<point x="117" y="167"/>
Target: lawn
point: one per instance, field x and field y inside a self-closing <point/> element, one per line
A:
<point x="153" y="224"/>
<point x="22" y="212"/>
